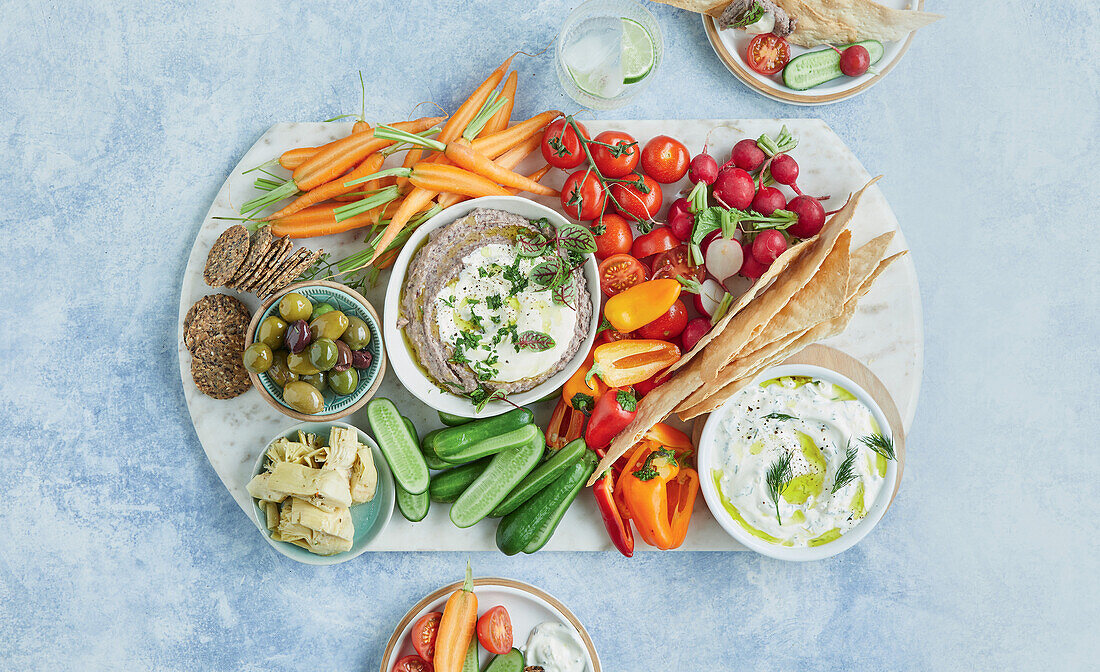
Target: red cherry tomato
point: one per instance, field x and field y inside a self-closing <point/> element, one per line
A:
<point x="768" y="54"/>
<point x="560" y="146"/>
<point x="617" y="162"/>
<point x="424" y="632"/>
<point x="640" y="204"/>
<point x="582" y="195"/>
<point x="412" y="664"/>
<point x="665" y="159"/>
<point x="616" y="237"/>
<point x="677" y="262"/>
<point x="655" y="242"/>
<point x="619" y="272"/>
<point x="494" y="631"/>
<point x="667" y="326"/>
<point x="610" y="336"/>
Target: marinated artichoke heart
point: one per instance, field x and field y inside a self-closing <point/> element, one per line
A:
<point x="308" y="486"/>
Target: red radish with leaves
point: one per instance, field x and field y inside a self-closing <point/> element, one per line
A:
<point x="811" y="216"/>
<point x="855" y="60"/>
<point x="724" y="258"/>
<point x="784" y="170"/>
<point x="747" y="155"/>
<point x="767" y="246"/>
<point x="768" y="200"/>
<point x="750" y="267"/>
<point x="680" y="220"/>
<point x="734" y="188"/>
<point x="695" y="330"/>
<point x="707" y="296"/>
<point x="703" y="169"/>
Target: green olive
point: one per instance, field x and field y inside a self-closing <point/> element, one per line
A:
<point x="258" y="357"/>
<point x="322" y="308"/>
<point x="299" y="363"/>
<point x="322" y="354"/>
<point x="303" y="398"/>
<point x="331" y="325"/>
<point x="318" y="380"/>
<point x="293" y="307"/>
<point x="279" y="372"/>
<point x="271" y="331"/>
<point x="357" y="335"/>
<point x="344" y="382"/>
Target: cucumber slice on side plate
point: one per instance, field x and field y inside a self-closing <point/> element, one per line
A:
<point x="509" y="662"/>
<point x="817" y="67"/>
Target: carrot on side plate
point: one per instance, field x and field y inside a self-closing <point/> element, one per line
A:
<point x="456" y="628"/>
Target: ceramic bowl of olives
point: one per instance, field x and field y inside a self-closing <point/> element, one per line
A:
<point x="314" y="350"/>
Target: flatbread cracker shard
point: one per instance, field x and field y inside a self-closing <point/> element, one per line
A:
<point x="844" y="21"/>
<point x="734" y="333"/>
<point x="712" y="7"/>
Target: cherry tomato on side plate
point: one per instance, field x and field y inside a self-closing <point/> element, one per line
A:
<point x="412" y="664"/>
<point x="667" y="326"/>
<point x="424" y="632"/>
<point x="677" y="262"/>
<point x="560" y="146"/>
<point x="619" y="272"/>
<point x="655" y="242"/>
<point x="616" y="162"/>
<point x="636" y="203"/>
<point x="768" y="54"/>
<point x="582" y="195"/>
<point x="665" y="159"/>
<point x="494" y="631"/>
<point x="616" y="237"/>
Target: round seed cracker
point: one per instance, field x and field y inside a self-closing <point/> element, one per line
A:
<point x="226" y="256"/>
<point x="214" y="315"/>
<point x="257" y="250"/>
<point x="217" y="367"/>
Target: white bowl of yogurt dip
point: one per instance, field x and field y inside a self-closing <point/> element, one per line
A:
<point x="820" y="421"/>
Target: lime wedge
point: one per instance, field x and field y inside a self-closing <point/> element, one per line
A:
<point x="637" y="51"/>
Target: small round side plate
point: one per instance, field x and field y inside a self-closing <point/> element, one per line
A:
<point x="730" y="45"/>
<point x="527" y="606"/>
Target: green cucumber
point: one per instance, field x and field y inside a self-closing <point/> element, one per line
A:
<point x="447" y="485"/>
<point x="413" y="507"/>
<point x="529" y="527"/>
<point x="509" y="662"/>
<point x="490" y="445"/>
<point x="451" y="443"/>
<point x="453" y="420"/>
<point x="817" y="67"/>
<point x="433" y="461"/>
<point x="398" y="444"/>
<point x="505" y="471"/>
<point x="471" y="663"/>
<point x="542" y="476"/>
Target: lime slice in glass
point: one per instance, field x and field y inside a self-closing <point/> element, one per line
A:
<point x="637" y="51"/>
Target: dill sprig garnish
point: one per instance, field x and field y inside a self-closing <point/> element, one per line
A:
<point x="778" y="477"/>
<point x="880" y="444"/>
<point x="846" y="472"/>
<point x="779" y="416"/>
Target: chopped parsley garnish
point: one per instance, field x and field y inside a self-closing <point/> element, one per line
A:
<point x="516" y="277"/>
<point x="449" y="302"/>
<point x="494" y="302"/>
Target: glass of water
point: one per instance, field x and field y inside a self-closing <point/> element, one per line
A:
<point x="607" y="52"/>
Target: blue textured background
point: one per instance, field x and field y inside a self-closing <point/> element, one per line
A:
<point x="120" y="549"/>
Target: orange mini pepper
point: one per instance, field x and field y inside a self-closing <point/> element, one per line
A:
<point x="661" y="496"/>
<point x="630" y="361"/>
<point x="641" y="304"/>
<point x="670" y="437"/>
<point x="580" y="383"/>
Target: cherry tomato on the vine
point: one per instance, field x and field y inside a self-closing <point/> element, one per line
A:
<point x="665" y="159"/>
<point x="637" y="203"/>
<point x="560" y="146"/>
<point x="616" y="236"/>
<point x="616" y="162"/>
<point x="582" y="195"/>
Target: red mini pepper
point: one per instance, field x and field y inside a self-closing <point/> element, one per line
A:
<point x="566" y="424"/>
<point x="618" y="526"/>
<point x="614" y="410"/>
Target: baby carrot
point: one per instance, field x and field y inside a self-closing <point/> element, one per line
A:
<point x="330" y="190"/>
<point x="499" y="121"/>
<point x="464" y="156"/>
<point x="496" y="144"/>
<point x="469" y="109"/>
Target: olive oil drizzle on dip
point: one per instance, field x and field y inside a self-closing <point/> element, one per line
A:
<point x="816" y="423"/>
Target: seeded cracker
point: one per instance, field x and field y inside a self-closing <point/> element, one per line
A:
<point x="217" y="369"/>
<point x="294" y="267"/>
<point x="257" y="250"/>
<point x="226" y="256"/>
<point x="214" y="315"/>
<point x="275" y="260"/>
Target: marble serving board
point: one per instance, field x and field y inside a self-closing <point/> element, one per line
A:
<point x="885" y="333"/>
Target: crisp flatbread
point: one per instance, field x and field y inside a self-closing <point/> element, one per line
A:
<point x="712" y="7"/>
<point x="843" y="21"/>
<point x="280" y="248"/>
<point x="735" y="333"/>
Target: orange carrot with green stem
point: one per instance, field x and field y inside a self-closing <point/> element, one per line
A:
<point x="509" y="159"/>
<point x="456" y="628"/>
<point x="322" y="220"/>
<point x="496" y="144"/>
<point x="499" y="121"/>
<point x="465" y="113"/>
<point x="332" y="189"/>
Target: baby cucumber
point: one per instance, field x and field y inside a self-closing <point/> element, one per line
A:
<point x="399" y="445"/>
<point x="452" y="443"/>
<point x="529" y="527"/>
<point x="817" y="67"/>
<point x="471" y="663"/>
<point x="447" y="485"/>
<point x="542" y="476"/>
<point x="490" y="445"/>
<point x="413" y="507"/>
<point x="509" y="662"/>
<point x="453" y="420"/>
<point x="433" y="461"/>
<point x="507" y="468"/>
